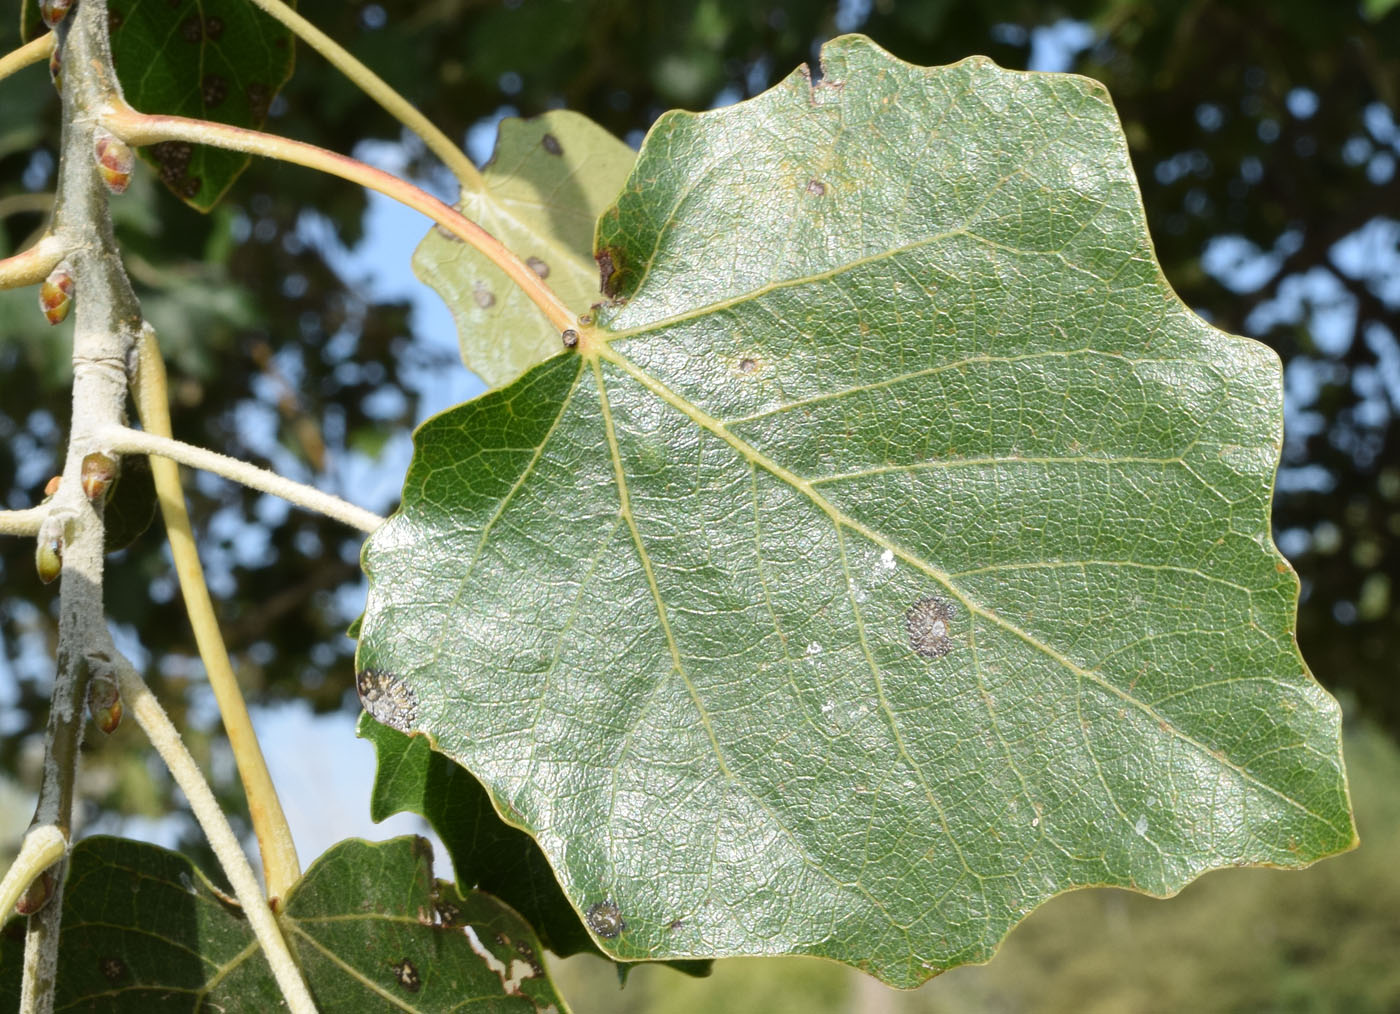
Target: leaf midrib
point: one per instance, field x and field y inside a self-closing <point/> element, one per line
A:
<point x="607" y="351"/>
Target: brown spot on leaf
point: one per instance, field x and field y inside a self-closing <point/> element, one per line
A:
<point x="748" y="365"/>
<point x="113" y="969"/>
<point x="114" y="19"/>
<point x="605" y="919"/>
<point x="192" y="29"/>
<point x="388" y="699"/>
<point x="551" y="144"/>
<point x="816" y="188"/>
<point x="538" y="266"/>
<point x="482" y="296"/>
<point x="569" y="338"/>
<point x="928" y="622"/>
<point x="213" y="89"/>
<point x="675" y="924"/>
<point x="213" y="28"/>
<point x="610" y="271"/>
<point x="259" y="98"/>
<point x="190" y="185"/>
<point x="407" y="975"/>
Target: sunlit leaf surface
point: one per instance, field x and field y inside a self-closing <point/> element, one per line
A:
<point x="892" y="556"/>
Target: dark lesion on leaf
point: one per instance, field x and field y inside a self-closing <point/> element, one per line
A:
<point x="259" y="100"/>
<point x="928" y="622"/>
<point x="605" y="919"/>
<point x="611" y="271"/>
<point x="192" y="29"/>
<point x="113" y="968"/>
<point x="483" y="296"/>
<point x="213" y="89"/>
<point x="406" y="974"/>
<point x="816" y="188"/>
<point x="551" y="144"/>
<point x="538" y="266"/>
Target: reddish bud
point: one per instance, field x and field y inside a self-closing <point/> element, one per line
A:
<point x="37" y="894"/>
<point x="115" y="160"/>
<point x="51" y="487"/>
<point x="56" y="294"/>
<point x="104" y="703"/>
<point x="48" y="558"/>
<point x="98" y="472"/>
<point x="54" y="11"/>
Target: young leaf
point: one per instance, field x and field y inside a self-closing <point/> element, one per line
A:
<point x="894" y="556"/>
<point x="547" y="183"/>
<point x="221" y="60"/>
<point x="369" y="927"/>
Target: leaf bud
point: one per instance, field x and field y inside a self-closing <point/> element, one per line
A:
<point x="48" y="558"/>
<point x="104" y="704"/>
<point x="37" y="894"/>
<point x="51" y="487"/>
<point x="98" y="472"/>
<point x="56" y="294"/>
<point x="56" y="68"/>
<point x="115" y="161"/>
<point x="54" y="11"/>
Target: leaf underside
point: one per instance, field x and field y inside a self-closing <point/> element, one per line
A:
<point x="892" y="556"/>
<point x="143" y="931"/>
<point x="545" y="186"/>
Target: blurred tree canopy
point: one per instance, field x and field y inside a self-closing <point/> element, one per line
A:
<point x="1263" y="132"/>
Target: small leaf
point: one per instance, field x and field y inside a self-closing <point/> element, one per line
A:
<point x="546" y="184"/>
<point x="367" y="924"/>
<point x="221" y="60"/>
<point x="893" y="556"/>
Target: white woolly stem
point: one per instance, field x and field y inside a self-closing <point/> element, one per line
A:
<point x="25" y="522"/>
<point x="152" y="718"/>
<point x="124" y="440"/>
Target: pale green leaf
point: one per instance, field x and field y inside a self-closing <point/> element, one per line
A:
<point x="545" y="186"/>
<point x="893" y="556"/>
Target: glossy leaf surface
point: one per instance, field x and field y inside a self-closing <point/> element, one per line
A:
<point x="547" y="183"/>
<point x="144" y="931"/>
<point x="893" y="556"/>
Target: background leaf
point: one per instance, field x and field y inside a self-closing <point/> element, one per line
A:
<point x="895" y="558"/>
<point x="367" y="924"/>
<point x="547" y="183"/>
<point x="221" y="60"/>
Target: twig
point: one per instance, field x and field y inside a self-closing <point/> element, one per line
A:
<point x="32" y="266"/>
<point x="43" y="846"/>
<point x="279" y="857"/>
<point x="25" y="522"/>
<point x="378" y="89"/>
<point x="124" y="440"/>
<point x="34" y="51"/>
<point x="18" y="204"/>
<point x="142" y="129"/>
<point x="144" y="707"/>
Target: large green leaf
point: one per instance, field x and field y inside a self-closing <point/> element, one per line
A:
<point x="221" y="60"/>
<point x="893" y="555"/>
<point x="545" y="186"/>
<point x="144" y="930"/>
<point x="487" y="853"/>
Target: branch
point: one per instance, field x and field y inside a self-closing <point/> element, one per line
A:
<point x="164" y="737"/>
<point x="81" y="231"/>
<point x="34" y="51"/>
<point x="379" y="90"/>
<point x="32" y="266"/>
<point x="124" y="440"/>
<point x="25" y="522"/>
<point x="43" y="846"/>
<point x="143" y="129"/>
<point x="280" y="866"/>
